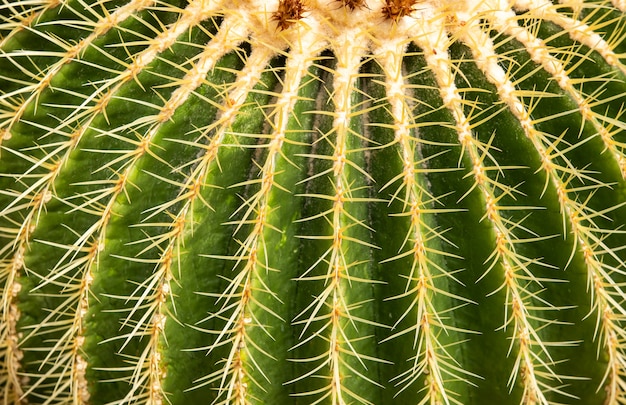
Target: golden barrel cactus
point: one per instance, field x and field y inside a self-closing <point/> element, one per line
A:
<point x="313" y="202"/>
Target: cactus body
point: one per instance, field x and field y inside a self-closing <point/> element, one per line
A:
<point x="285" y="202"/>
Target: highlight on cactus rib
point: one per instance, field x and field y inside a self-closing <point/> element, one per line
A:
<point x="313" y="202"/>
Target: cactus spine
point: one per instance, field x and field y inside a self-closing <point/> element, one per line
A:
<point x="322" y="201"/>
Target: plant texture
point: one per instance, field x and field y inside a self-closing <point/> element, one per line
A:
<point x="313" y="202"/>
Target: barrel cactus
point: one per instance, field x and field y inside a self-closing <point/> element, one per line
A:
<point x="313" y="202"/>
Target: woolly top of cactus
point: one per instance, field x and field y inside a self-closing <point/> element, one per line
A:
<point x="159" y="200"/>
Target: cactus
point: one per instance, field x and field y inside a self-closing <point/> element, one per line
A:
<point x="312" y="202"/>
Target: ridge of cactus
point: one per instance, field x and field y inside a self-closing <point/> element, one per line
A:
<point x="313" y="202"/>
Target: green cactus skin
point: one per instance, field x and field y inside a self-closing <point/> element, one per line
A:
<point x="320" y="202"/>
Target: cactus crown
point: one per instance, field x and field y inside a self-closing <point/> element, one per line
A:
<point x="321" y="201"/>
